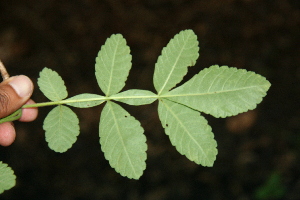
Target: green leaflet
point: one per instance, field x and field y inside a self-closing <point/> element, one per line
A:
<point x="113" y="64"/>
<point x="52" y="85"/>
<point x="7" y="177"/>
<point x="171" y="66"/>
<point x="135" y="97"/>
<point x="188" y="132"/>
<point x="85" y="100"/>
<point x="122" y="141"/>
<point x="221" y="91"/>
<point x="62" y="129"/>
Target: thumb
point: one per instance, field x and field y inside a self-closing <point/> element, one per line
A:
<point x="14" y="93"/>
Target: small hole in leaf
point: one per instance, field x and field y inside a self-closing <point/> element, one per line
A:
<point x="167" y="125"/>
<point x="126" y="116"/>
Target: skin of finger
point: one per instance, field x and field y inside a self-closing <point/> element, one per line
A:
<point x="29" y="114"/>
<point x="7" y="134"/>
<point x="10" y="101"/>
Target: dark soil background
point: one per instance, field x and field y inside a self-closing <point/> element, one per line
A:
<point x="257" y="35"/>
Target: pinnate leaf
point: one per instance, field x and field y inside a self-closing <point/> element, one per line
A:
<point x="122" y="141"/>
<point x="52" y="85"/>
<point x="171" y="66"/>
<point x="135" y="97"/>
<point x="86" y="100"/>
<point x="7" y="177"/>
<point x="62" y="128"/>
<point x="188" y="132"/>
<point x="113" y="64"/>
<point x="221" y="91"/>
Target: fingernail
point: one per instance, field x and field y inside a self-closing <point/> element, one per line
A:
<point x="22" y="85"/>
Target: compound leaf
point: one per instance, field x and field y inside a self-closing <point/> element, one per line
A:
<point x="171" y="66"/>
<point x="188" y="131"/>
<point x="62" y="128"/>
<point x="221" y="91"/>
<point x="113" y="64"/>
<point x="7" y="177"/>
<point x="85" y="100"/>
<point x="52" y="85"/>
<point x="122" y="141"/>
<point x="135" y="97"/>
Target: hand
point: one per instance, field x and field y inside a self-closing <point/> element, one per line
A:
<point x="14" y="93"/>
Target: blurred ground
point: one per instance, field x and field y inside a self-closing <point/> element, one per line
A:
<point x="261" y="36"/>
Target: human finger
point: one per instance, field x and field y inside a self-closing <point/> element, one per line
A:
<point x="7" y="134"/>
<point x="29" y="114"/>
<point x="14" y="92"/>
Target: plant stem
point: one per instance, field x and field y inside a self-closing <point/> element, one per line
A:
<point x="3" y="71"/>
<point x="68" y="101"/>
<point x="52" y="103"/>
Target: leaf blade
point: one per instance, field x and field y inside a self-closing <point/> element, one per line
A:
<point x="62" y="128"/>
<point x="7" y="177"/>
<point x="52" y="85"/>
<point x="135" y="97"/>
<point x="188" y="131"/>
<point x="122" y="141"/>
<point x="113" y="64"/>
<point x="221" y="91"/>
<point x="85" y="100"/>
<point x="171" y="66"/>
